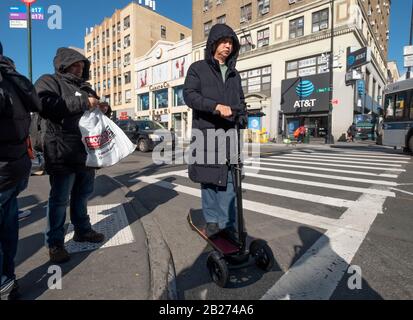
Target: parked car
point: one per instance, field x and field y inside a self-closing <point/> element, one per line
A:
<point x="146" y="134"/>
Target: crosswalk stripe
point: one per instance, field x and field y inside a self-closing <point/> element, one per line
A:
<point x="397" y="156"/>
<point x="276" y="159"/>
<point x="323" y="185"/>
<point x="326" y="176"/>
<point x="352" y="159"/>
<point x="324" y="169"/>
<point x="274" y="211"/>
<point x="351" y="156"/>
<point x="320" y="159"/>
<point x="335" y="202"/>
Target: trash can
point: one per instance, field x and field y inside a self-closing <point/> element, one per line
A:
<point x="306" y="139"/>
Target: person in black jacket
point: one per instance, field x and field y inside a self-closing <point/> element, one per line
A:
<point x="213" y="90"/>
<point x="17" y="99"/>
<point x="65" y="97"/>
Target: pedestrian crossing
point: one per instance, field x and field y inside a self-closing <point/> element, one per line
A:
<point x="356" y="182"/>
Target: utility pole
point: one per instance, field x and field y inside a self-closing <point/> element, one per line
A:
<point x="410" y="42"/>
<point x="29" y="34"/>
<point x="330" y="138"/>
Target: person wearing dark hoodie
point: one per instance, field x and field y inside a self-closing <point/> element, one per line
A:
<point x="65" y="97"/>
<point x="213" y="90"/>
<point x="17" y="99"/>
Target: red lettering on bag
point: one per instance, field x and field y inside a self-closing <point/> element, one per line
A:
<point x="100" y="141"/>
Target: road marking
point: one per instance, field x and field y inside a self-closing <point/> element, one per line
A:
<point x="376" y="153"/>
<point x="323" y="185"/>
<point x="326" y="156"/>
<point x="331" y="164"/>
<point x="319" y="159"/>
<point x="327" y="176"/>
<point x="324" y="169"/>
<point x="330" y="201"/>
<point x="317" y="273"/>
<point x="353" y="156"/>
<point x="402" y="191"/>
<point x="273" y="211"/>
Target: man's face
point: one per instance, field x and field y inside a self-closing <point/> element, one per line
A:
<point x="76" y="69"/>
<point x="224" y="48"/>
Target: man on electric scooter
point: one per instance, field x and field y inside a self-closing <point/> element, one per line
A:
<point x="213" y="90"/>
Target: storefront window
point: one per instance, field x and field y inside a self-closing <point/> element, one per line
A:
<point x="179" y="96"/>
<point x="143" y="102"/>
<point x="257" y="80"/>
<point x="161" y="99"/>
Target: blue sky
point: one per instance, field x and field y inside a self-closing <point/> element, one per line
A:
<point x="80" y="14"/>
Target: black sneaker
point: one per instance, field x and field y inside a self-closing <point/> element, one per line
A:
<point x="58" y="255"/>
<point x="9" y="289"/>
<point x="231" y="234"/>
<point x="91" y="236"/>
<point x="212" y="229"/>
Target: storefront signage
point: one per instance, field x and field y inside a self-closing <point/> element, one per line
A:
<point x="159" y="86"/>
<point x="358" y="58"/>
<point x="305" y="94"/>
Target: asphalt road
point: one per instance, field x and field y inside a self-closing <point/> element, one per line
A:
<point x="338" y="220"/>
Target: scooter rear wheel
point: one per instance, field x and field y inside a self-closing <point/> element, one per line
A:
<point x="218" y="269"/>
<point x="262" y="253"/>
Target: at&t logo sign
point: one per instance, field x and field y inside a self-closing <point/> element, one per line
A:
<point x="304" y="89"/>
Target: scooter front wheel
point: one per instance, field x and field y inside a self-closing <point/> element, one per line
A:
<point x="218" y="269"/>
<point x="262" y="253"/>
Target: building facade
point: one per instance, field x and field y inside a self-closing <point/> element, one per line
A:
<point x="113" y="46"/>
<point x="284" y="59"/>
<point x="160" y="75"/>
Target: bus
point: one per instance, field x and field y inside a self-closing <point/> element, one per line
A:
<point x="365" y="126"/>
<point x="398" y="115"/>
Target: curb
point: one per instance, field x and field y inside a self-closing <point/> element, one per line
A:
<point x="161" y="264"/>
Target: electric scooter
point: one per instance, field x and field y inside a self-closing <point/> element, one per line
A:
<point x="231" y="252"/>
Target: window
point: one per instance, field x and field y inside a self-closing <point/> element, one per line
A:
<point x="127" y="76"/>
<point x="119" y="97"/>
<point x="207" y="28"/>
<point x="128" y="96"/>
<point x="126" y="59"/>
<point x="109" y="83"/>
<point x="104" y="52"/>
<point x="143" y="102"/>
<point x="307" y="66"/>
<point x="246" y="44"/>
<point x="207" y="5"/>
<point x="114" y="47"/>
<point x="108" y="67"/>
<point x="257" y="80"/>
<point x="126" y="41"/>
<point x="89" y="46"/>
<point x="220" y="2"/>
<point x="104" y="84"/>
<point x="113" y="33"/>
<point x="104" y="70"/>
<point x="163" y="32"/>
<point x="119" y="62"/>
<point x="263" y="38"/>
<point x="161" y="99"/>
<point x="246" y="13"/>
<point x="320" y="20"/>
<point x="263" y="7"/>
<point x="178" y="96"/>
<point x="222" y="19"/>
<point x="297" y="28"/>
<point x="115" y="82"/>
<point x="118" y="27"/>
<point x="107" y="33"/>
<point x="182" y="36"/>
<point x="115" y="99"/>
<point x="108" y="51"/>
<point x="395" y="105"/>
<point x="126" y="23"/>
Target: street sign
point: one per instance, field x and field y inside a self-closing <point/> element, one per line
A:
<point x="408" y="61"/>
<point x="18" y="9"/>
<point x="408" y="50"/>
<point x="361" y="87"/>
<point x="18" y="24"/>
<point x="358" y="58"/>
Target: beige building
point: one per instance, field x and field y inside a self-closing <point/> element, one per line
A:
<point x="160" y="75"/>
<point x="284" y="60"/>
<point x="113" y="46"/>
<point x="393" y="71"/>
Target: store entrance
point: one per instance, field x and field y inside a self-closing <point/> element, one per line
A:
<point x="316" y="125"/>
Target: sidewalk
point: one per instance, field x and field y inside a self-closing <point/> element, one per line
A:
<point x="117" y="269"/>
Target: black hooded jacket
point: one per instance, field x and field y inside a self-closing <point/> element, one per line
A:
<point x="17" y="99"/>
<point x="204" y="89"/>
<point x="65" y="99"/>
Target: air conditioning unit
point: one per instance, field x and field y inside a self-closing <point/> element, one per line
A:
<point x="265" y="10"/>
<point x="291" y="1"/>
<point x="373" y="23"/>
<point x="369" y="13"/>
<point x="243" y="19"/>
<point x="206" y="8"/>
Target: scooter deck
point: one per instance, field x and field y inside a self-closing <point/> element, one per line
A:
<point x="219" y="242"/>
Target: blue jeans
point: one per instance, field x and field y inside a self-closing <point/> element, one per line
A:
<point x="9" y="228"/>
<point x="219" y="203"/>
<point x="77" y="187"/>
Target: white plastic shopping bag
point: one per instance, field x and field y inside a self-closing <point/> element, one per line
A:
<point x="106" y="144"/>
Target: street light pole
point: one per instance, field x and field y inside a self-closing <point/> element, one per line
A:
<point x="410" y="42"/>
<point x="29" y="35"/>
<point x="330" y="138"/>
